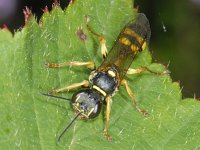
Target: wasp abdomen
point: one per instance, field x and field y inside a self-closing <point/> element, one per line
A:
<point x="136" y="34"/>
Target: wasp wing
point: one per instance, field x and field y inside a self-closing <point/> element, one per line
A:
<point x="131" y="40"/>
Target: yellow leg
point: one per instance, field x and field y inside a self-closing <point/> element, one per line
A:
<point x="69" y="87"/>
<point x="135" y="71"/>
<point x="143" y="69"/>
<point x="89" y="64"/>
<point x="131" y="94"/>
<point x="108" y="109"/>
<point x="104" y="51"/>
<point x="99" y="37"/>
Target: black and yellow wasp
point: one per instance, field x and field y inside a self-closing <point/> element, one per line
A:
<point x="105" y="80"/>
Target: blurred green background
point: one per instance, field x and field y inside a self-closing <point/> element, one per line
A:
<point x="175" y="39"/>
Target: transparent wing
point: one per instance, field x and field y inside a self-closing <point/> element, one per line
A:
<point x="128" y="45"/>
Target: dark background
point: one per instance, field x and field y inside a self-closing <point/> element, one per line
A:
<point x="175" y="37"/>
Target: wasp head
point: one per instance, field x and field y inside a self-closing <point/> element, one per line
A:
<point x="88" y="102"/>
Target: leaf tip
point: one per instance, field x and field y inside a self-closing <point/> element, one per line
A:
<point x="46" y="9"/>
<point x="56" y="4"/>
<point x="5" y="28"/>
<point x="71" y="2"/>
<point x="177" y="83"/>
<point x="27" y="14"/>
<point x="198" y="99"/>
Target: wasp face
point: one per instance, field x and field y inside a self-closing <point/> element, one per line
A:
<point x="88" y="102"/>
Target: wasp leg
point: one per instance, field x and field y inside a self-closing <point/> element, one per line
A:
<point x="89" y="64"/>
<point x="69" y="87"/>
<point x="104" y="50"/>
<point x="99" y="37"/>
<point x="108" y="109"/>
<point x="143" y="69"/>
<point x="131" y="94"/>
<point x="135" y="71"/>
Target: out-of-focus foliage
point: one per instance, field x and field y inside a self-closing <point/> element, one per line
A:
<point x="179" y="45"/>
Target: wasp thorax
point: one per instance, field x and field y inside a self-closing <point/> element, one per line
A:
<point x="88" y="102"/>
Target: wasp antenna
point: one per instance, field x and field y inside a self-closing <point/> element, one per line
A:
<point x="58" y="97"/>
<point x="68" y="126"/>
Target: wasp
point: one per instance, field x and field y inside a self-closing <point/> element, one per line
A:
<point x="105" y="80"/>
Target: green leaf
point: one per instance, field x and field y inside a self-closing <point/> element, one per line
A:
<point x="31" y="121"/>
